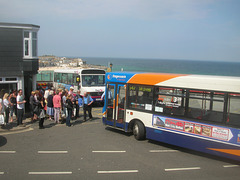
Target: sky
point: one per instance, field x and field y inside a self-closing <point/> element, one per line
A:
<point x="161" y="29"/>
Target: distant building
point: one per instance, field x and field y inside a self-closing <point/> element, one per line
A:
<point x="18" y="57"/>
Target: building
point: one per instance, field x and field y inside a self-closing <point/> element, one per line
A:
<point x="18" y="57"/>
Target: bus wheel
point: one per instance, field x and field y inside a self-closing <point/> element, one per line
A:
<point x="139" y="130"/>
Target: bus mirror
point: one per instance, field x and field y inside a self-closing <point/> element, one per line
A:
<point x="78" y="79"/>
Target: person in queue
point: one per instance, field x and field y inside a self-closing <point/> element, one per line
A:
<point x="57" y="106"/>
<point x="32" y="103"/>
<point x="71" y="90"/>
<point x="6" y="107"/>
<point x="42" y="112"/>
<point x="77" y="103"/>
<point x="20" y="107"/>
<point x="69" y="104"/>
<point x="50" y="110"/>
<point x="87" y="106"/>
<point x="13" y="104"/>
<point x="64" y="106"/>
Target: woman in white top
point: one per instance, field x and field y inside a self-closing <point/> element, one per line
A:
<point x="6" y="106"/>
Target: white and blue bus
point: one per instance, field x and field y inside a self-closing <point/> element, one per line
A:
<point x="89" y="80"/>
<point x="197" y="112"/>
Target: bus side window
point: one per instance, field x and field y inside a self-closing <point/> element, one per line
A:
<point x="205" y="105"/>
<point x="233" y="112"/>
<point x="170" y="101"/>
<point x="140" y="97"/>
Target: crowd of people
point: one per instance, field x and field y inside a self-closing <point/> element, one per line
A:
<point x="58" y="105"/>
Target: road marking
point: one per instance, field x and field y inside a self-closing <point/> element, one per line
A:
<point x="183" y="169"/>
<point x="114" y="172"/>
<point x="7" y="152"/>
<point x="1" y="173"/>
<point x="49" y="173"/>
<point x="156" y="151"/>
<point x="229" y="166"/>
<point x="108" y="151"/>
<point x="52" y="152"/>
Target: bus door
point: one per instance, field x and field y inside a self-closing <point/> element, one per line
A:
<point x="120" y="106"/>
<point x="115" y="105"/>
<point x="110" y="95"/>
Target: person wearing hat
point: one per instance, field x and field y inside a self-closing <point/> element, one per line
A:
<point x="71" y="90"/>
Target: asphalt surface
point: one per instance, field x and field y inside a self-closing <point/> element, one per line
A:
<point x="89" y="150"/>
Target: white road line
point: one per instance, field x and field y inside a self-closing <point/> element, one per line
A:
<point x="183" y="169"/>
<point x="52" y="152"/>
<point x="115" y="172"/>
<point x="229" y="166"/>
<point x="1" y="173"/>
<point x="7" y="152"/>
<point x="156" y="151"/>
<point x="49" y="173"/>
<point x="108" y="151"/>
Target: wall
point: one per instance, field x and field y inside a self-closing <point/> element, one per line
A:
<point x="11" y="52"/>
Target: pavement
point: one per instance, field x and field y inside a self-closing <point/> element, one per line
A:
<point x="27" y="123"/>
<point x="11" y="127"/>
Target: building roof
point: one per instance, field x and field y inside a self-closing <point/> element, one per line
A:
<point x="19" y="26"/>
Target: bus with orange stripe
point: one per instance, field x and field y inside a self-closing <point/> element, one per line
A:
<point x="197" y="112"/>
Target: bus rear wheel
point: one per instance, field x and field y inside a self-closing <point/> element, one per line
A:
<point x="139" y="131"/>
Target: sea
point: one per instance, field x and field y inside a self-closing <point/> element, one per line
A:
<point x="222" y="68"/>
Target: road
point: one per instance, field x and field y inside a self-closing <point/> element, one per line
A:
<point x="89" y="150"/>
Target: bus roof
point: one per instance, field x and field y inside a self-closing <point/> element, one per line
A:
<point x="77" y="70"/>
<point x="206" y="82"/>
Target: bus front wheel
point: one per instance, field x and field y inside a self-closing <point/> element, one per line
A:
<point x="139" y="131"/>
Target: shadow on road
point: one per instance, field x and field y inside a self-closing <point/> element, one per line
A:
<point x="3" y="141"/>
<point x="118" y="131"/>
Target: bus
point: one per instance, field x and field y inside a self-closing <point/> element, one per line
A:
<point x="45" y="79"/>
<point x="197" y="112"/>
<point x="89" y="80"/>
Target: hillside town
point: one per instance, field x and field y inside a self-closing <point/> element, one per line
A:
<point x="51" y="62"/>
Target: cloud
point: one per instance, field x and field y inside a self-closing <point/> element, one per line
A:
<point x="95" y="9"/>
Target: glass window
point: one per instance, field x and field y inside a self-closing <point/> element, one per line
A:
<point x="93" y="80"/>
<point x="70" y="79"/>
<point x="26" y="47"/>
<point x="199" y="104"/>
<point x="75" y="83"/>
<point x="140" y="97"/>
<point x="121" y="100"/>
<point x="64" y="78"/>
<point x="34" y="47"/>
<point x="11" y="79"/>
<point x="34" y="35"/>
<point x="110" y="106"/>
<point x="30" y="44"/>
<point x="205" y="105"/>
<point x="233" y="111"/>
<point x="55" y="77"/>
<point x="170" y="101"/>
<point x="26" y="34"/>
